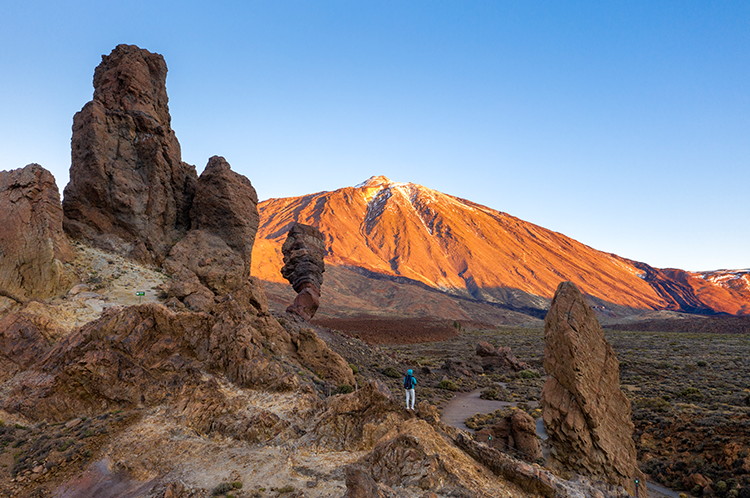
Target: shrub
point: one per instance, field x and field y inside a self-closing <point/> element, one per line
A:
<point x="354" y="368"/>
<point x="222" y="489"/>
<point x="448" y="384"/>
<point x="391" y="372"/>
<point x="529" y="374"/>
<point x="286" y="489"/>
<point x="653" y="404"/>
<point x="692" y="393"/>
<point x="490" y="393"/>
<point x="702" y="363"/>
<point x="345" y="389"/>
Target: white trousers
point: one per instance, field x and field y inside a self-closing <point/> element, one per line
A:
<point x="410" y="394"/>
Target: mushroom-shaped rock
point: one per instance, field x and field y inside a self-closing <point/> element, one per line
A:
<point x="304" y="251"/>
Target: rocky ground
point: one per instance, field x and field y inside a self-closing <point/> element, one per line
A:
<point x="690" y="394"/>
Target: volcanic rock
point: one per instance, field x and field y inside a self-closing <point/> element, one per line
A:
<point x="418" y="455"/>
<point x="24" y="338"/>
<point x="356" y="421"/>
<point x="304" y="250"/>
<point x="456" y="367"/>
<point x="33" y="245"/>
<point x="226" y="205"/>
<point x="360" y="484"/>
<point x="129" y="190"/>
<point x="138" y="355"/>
<point x="214" y="258"/>
<point x="500" y="359"/>
<point x="586" y="415"/>
<point x="315" y="354"/>
<point x="518" y="431"/>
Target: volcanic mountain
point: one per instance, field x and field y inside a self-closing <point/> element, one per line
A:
<point x="406" y="249"/>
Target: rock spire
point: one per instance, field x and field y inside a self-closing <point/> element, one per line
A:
<point x="586" y="415"/>
<point x="129" y="190"/>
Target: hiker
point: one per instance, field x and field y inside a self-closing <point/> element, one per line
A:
<point x="409" y="384"/>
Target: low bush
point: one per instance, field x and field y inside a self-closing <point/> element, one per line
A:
<point x="529" y="374"/>
<point x="391" y="372"/>
<point x="345" y="389"/>
<point x="448" y="385"/>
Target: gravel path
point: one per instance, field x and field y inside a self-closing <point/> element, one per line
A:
<point x="464" y="405"/>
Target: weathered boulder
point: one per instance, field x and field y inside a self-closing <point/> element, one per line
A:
<point x="129" y="190"/>
<point x="586" y="415"/>
<point x="517" y="431"/>
<point x="304" y="251"/>
<point x="33" y="246"/>
<point x="500" y="359"/>
<point x="456" y="367"/>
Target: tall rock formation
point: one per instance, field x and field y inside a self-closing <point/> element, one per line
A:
<point x="304" y="252"/>
<point x="129" y="190"/>
<point x="586" y="415"/>
<point x="213" y="259"/>
<point x="32" y="243"/>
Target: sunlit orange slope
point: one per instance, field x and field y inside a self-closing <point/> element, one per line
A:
<point x="465" y="249"/>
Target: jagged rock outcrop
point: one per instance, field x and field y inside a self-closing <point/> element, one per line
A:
<point x="226" y="205"/>
<point x="500" y="359"/>
<point x="138" y="355"/>
<point x="315" y="354"/>
<point x="129" y="190"/>
<point x="33" y="246"/>
<point x="517" y="431"/>
<point x="586" y="415"/>
<point x="418" y="456"/>
<point x="304" y="251"/>
<point x="214" y="257"/>
<point x="24" y="338"/>
<point x="356" y="421"/>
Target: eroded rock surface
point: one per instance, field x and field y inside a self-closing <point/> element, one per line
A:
<point x="33" y="246"/>
<point x="213" y="259"/>
<point x="129" y="190"/>
<point x="586" y="415"/>
<point x="304" y="251"/>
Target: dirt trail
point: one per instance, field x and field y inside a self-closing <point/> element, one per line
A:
<point x="464" y="405"/>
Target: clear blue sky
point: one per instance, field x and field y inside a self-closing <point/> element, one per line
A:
<point x="622" y="124"/>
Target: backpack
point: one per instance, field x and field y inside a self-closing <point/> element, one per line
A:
<point x="409" y="382"/>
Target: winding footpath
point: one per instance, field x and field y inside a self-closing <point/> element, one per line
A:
<point x="464" y="405"/>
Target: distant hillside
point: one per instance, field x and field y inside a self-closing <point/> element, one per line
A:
<point x="449" y="256"/>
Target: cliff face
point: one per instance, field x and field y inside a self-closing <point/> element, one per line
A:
<point x="409" y="233"/>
